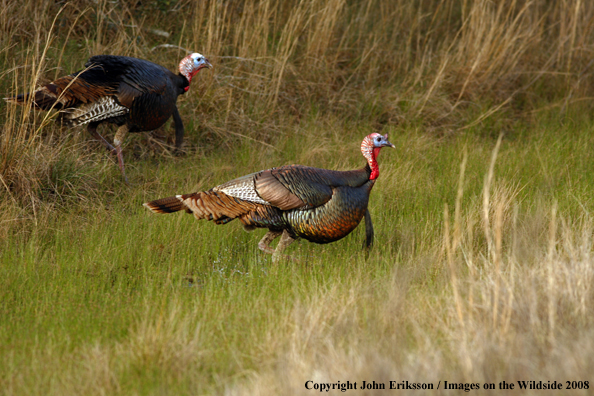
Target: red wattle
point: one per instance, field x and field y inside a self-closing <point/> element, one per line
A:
<point x="373" y="164"/>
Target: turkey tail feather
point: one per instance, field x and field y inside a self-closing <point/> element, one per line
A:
<point x="19" y="99"/>
<point x="166" y="205"/>
<point x="16" y="99"/>
<point x="210" y="205"/>
<point x="41" y="100"/>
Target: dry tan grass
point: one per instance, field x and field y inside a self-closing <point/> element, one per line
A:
<point x="385" y="63"/>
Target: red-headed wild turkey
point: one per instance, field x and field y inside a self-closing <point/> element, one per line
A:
<point x="296" y="201"/>
<point x="135" y="94"/>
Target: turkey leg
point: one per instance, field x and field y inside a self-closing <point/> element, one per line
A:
<point x="368" y="231"/>
<point x="179" y="130"/>
<point x="285" y="241"/>
<point x="270" y="236"/>
<point x="92" y="128"/>
<point x="118" y="140"/>
<point x="264" y="243"/>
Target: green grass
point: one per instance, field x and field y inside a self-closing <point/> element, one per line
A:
<point x="112" y="298"/>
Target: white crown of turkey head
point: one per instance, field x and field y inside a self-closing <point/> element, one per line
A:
<point x="191" y="65"/>
<point x="370" y="148"/>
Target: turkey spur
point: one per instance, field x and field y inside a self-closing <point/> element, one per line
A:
<point x="135" y="94"/>
<point x="297" y="201"/>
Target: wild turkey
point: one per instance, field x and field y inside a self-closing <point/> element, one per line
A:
<point x="135" y="94"/>
<point x="296" y="201"/>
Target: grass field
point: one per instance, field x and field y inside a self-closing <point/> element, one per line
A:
<point x="482" y="269"/>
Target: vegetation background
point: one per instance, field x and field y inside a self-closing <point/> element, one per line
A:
<point x="482" y="269"/>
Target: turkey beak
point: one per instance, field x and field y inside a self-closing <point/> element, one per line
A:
<point x="387" y="143"/>
<point x="207" y="64"/>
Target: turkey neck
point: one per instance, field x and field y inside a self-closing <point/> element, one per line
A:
<point x="183" y="83"/>
<point x="370" y="152"/>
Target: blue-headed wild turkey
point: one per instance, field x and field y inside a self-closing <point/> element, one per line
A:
<point x="135" y="94"/>
<point x="296" y="201"/>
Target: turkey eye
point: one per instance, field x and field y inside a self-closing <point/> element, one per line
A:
<point x="378" y="138"/>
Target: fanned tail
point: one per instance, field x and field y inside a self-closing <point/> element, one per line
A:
<point x="167" y="205"/>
